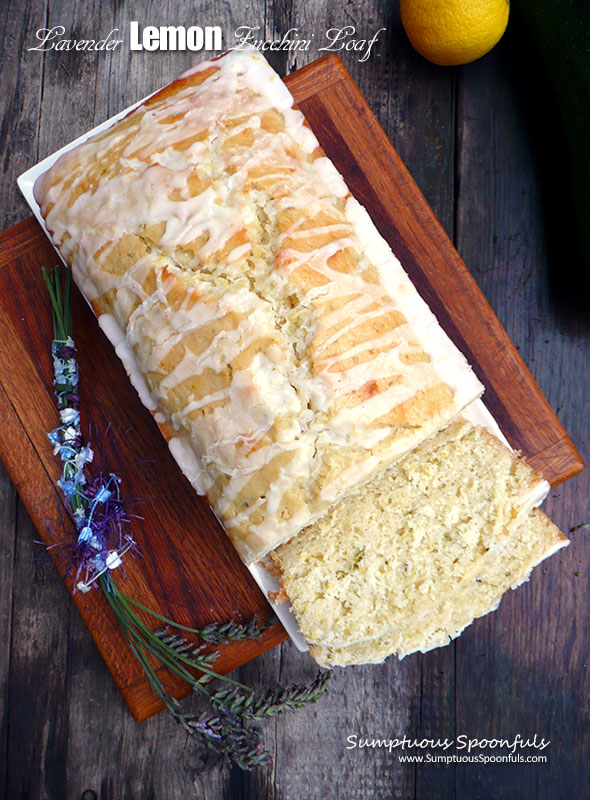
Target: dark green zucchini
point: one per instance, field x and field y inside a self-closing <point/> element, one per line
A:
<point x="554" y="37"/>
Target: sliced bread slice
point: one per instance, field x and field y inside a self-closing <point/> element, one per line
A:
<point x="395" y="550"/>
<point x="534" y="541"/>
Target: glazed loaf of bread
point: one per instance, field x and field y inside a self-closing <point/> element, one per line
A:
<point x="267" y="325"/>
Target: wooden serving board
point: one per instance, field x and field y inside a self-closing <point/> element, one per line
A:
<point x="188" y="570"/>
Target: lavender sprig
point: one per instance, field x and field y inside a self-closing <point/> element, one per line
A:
<point x="250" y="705"/>
<point x="96" y="507"/>
<point x="223" y="732"/>
<point x="216" y="633"/>
<point x="99" y="517"/>
<point x="225" y="735"/>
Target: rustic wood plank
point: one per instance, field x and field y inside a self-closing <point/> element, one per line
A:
<point x="20" y="102"/>
<point x="8" y="511"/>
<point x="349" y="708"/>
<point x="148" y="761"/>
<point x="522" y="658"/>
<point x="421" y="125"/>
<point x="415" y="107"/>
<point x="277" y="18"/>
<point x="38" y="674"/>
<point x="19" y="109"/>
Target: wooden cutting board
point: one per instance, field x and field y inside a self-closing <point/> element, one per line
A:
<point x="187" y="569"/>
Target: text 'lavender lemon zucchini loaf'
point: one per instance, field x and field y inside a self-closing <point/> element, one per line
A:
<point x="283" y="350"/>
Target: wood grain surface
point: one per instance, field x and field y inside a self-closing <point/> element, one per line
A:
<point x="467" y="137"/>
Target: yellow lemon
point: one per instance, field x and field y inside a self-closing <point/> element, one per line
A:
<point x="451" y="32"/>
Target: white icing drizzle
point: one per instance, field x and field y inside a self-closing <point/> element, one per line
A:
<point x="184" y="455"/>
<point x="116" y="336"/>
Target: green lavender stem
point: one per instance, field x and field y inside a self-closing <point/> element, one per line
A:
<point x="61" y="309"/>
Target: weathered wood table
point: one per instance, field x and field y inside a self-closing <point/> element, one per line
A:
<point x="486" y="162"/>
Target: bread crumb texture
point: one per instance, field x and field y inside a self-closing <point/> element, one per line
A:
<point x="402" y="564"/>
<point x="535" y="540"/>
